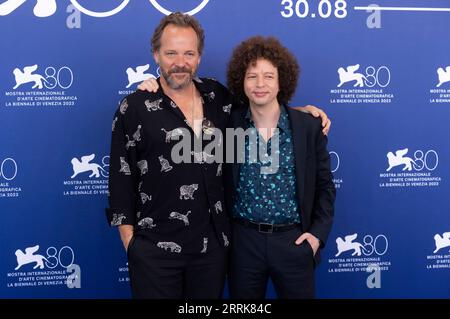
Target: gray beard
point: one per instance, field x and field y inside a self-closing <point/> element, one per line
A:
<point x="177" y="86"/>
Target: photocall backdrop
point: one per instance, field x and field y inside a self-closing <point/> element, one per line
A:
<point x="380" y="71"/>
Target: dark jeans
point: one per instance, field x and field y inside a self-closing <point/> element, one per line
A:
<point x="256" y="257"/>
<point x="158" y="274"/>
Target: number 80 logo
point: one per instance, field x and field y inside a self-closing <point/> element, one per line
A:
<point x="125" y="3"/>
<point x="8" y="169"/>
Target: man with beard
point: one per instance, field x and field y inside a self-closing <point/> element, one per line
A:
<point x="170" y="212"/>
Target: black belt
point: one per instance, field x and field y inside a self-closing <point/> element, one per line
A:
<point x="265" y="227"/>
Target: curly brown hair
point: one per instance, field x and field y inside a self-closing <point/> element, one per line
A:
<point x="268" y="48"/>
<point x="178" y="19"/>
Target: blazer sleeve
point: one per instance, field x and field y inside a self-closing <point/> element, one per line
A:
<point x="325" y="192"/>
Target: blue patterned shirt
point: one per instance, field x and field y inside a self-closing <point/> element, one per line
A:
<point x="269" y="198"/>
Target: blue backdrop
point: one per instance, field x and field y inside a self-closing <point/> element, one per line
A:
<point x="382" y="74"/>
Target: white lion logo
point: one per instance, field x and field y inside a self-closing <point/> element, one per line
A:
<point x="26" y="76"/>
<point x="441" y="242"/>
<point x="348" y="244"/>
<point x="42" y="9"/>
<point x="138" y="76"/>
<point x="28" y="258"/>
<point x="398" y="159"/>
<point x="348" y="75"/>
<point x="85" y="166"/>
<point x="444" y="76"/>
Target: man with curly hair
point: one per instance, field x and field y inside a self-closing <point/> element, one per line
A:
<point x="281" y="216"/>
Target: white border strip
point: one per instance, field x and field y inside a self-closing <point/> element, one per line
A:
<point x="374" y="8"/>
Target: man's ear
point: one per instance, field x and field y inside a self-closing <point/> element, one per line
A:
<point x="156" y="56"/>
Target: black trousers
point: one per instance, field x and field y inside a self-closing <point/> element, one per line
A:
<point x="157" y="274"/>
<point x="256" y="257"/>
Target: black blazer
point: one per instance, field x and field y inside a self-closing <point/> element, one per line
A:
<point x="315" y="188"/>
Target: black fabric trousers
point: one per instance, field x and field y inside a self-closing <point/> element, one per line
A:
<point x="158" y="274"/>
<point x="255" y="257"/>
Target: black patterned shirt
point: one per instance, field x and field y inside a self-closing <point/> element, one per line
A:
<point x="174" y="203"/>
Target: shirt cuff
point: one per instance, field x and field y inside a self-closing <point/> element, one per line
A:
<point x="117" y="217"/>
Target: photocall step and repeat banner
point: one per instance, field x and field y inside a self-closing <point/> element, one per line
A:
<point x="381" y="71"/>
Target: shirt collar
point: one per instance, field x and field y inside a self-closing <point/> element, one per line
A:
<point x="203" y="88"/>
<point x="283" y="121"/>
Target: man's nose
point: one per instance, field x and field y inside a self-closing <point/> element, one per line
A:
<point x="259" y="81"/>
<point x="180" y="61"/>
